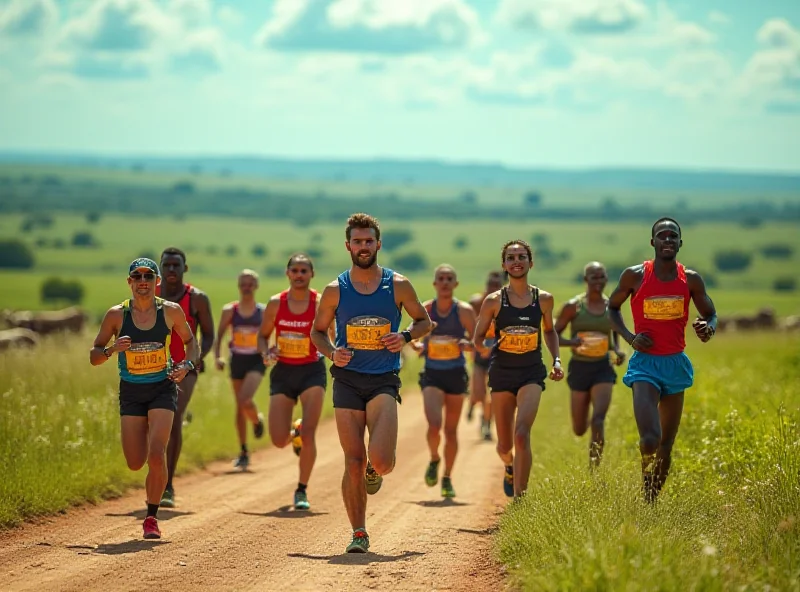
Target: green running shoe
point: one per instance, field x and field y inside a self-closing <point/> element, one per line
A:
<point x="432" y="473"/>
<point x="372" y="479"/>
<point x="447" y="487"/>
<point x="167" y="499"/>
<point x="360" y="542"/>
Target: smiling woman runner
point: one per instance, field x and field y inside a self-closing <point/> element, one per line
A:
<point x="444" y="379"/>
<point x="590" y="375"/>
<point x="148" y="397"/>
<point x="521" y="313"/>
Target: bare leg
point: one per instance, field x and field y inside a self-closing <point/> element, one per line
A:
<point x="434" y="401"/>
<point x="312" y="400"/>
<point x="351" y="425"/>
<point x="185" y="390"/>
<point x="160" y="422"/>
<point x="601" y="401"/>
<point x="453" y="405"/>
<point x="528" y="398"/>
<point x="280" y="419"/>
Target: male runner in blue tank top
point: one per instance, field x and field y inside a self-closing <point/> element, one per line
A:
<point x="444" y="379"/>
<point x="366" y="303"/>
<point x="148" y="396"/>
<point x="522" y="315"/>
<point x="247" y="367"/>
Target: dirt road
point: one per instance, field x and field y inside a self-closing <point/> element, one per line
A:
<point x="236" y="531"/>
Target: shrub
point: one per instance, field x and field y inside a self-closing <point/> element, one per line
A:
<point x="461" y="242"/>
<point x="84" y="239"/>
<point x="54" y="289"/>
<point x="259" y="251"/>
<point x="413" y="261"/>
<point x="732" y="260"/>
<point x="15" y="254"/>
<point x="784" y="284"/>
<point x="777" y="251"/>
<point x="393" y="239"/>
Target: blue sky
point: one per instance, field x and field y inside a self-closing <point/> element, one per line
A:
<point x="563" y="83"/>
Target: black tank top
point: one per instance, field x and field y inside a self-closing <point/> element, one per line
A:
<point x="147" y="359"/>
<point x="518" y="332"/>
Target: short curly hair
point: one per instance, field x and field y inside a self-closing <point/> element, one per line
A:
<point x="362" y="220"/>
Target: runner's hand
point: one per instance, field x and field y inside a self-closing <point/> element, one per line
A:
<point x="641" y="342"/>
<point x="418" y="347"/>
<point x="465" y="345"/>
<point x="121" y="344"/>
<point x="270" y="356"/>
<point x="220" y="363"/>
<point x="342" y="356"/>
<point x="557" y="373"/>
<point x="179" y="372"/>
<point x="619" y="357"/>
<point x="576" y="342"/>
<point x="394" y="342"/>
<point x="703" y="330"/>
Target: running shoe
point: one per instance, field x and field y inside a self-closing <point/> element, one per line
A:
<point x="258" y="429"/>
<point x="168" y="499"/>
<point x="242" y="462"/>
<point x="297" y="440"/>
<point x="470" y="411"/>
<point x="150" y="527"/>
<point x="486" y="430"/>
<point x="447" y="487"/>
<point x="360" y="542"/>
<point x="508" y="481"/>
<point x="301" y="501"/>
<point x="372" y="479"/>
<point x="432" y="473"/>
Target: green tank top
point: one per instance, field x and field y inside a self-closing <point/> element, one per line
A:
<point x="147" y="360"/>
<point x="595" y="331"/>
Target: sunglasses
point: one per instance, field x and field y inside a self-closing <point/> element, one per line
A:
<point x="137" y="277"/>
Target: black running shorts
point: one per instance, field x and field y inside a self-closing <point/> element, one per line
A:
<point x="293" y="379"/>
<point x="453" y="381"/>
<point x="137" y="398"/>
<point x="353" y="390"/>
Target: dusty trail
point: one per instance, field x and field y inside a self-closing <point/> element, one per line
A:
<point x="236" y="531"/>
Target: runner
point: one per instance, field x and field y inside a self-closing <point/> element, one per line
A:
<point x="148" y="394"/>
<point x="246" y="365"/>
<point x="444" y="379"/>
<point x="366" y="302"/>
<point x="590" y="376"/>
<point x="521" y="313"/>
<point x="299" y="373"/>
<point x="659" y="371"/>
<point x="197" y="310"/>
<point x="480" y="367"/>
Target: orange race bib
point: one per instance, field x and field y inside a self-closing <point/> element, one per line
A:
<point x="518" y="340"/>
<point x="595" y="345"/>
<point x="365" y="332"/>
<point x="490" y="334"/>
<point x="663" y="308"/>
<point x="443" y="348"/>
<point x="146" y="358"/>
<point x="245" y="339"/>
<point x="294" y="345"/>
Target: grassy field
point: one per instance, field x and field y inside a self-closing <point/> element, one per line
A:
<point x="206" y="241"/>
<point x="729" y="516"/>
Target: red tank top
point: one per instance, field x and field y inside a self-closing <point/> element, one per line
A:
<point x="661" y="309"/>
<point x="293" y="332"/>
<point x="176" y="349"/>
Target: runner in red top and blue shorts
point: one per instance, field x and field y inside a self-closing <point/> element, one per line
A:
<point x="659" y="371"/>
<point x="299" y="373"/>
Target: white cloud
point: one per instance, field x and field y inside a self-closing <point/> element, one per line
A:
<point x="201" y="52"/>
<point x="370" y="26"/>
<point x="21" y="18"/>
<point x="717" y="17"/>
<point x="772" y="74"/>
<point x="779" y="34"/>
<point x="230" y="16"/>
<point x="589" y="17"/>
<point x="191" y="12"/>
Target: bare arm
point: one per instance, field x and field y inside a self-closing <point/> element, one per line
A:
<point x="486" y="316"/>
<point x="224" y="322"/>
<point x="568" y="312"/>
<point x="706" y="325"/>
<point x="629" y="281"/>
<point x="551" y="339"/>
<point x="326" y="314"/>
<point x="406" y="297"/>
<point x="468" y="320"/>
<point x="175" y="317"/>
<point x="206" y="322"/>
<point x="109" y="327"/>
<point x="268" y="324"/>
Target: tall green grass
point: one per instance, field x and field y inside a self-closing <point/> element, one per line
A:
<point x="729" y="516"/>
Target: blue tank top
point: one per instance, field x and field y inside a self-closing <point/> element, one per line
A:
<point x="442" y="350"/>
<point x="361" y="321"/>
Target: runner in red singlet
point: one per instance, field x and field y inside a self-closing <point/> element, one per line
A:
<point x="659" y="371"/>
<point x="197" y="308"/>
<point x="299" y="373"/>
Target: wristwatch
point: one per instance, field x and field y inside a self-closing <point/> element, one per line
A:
<point x="406" y="335"/>
<point x="190" y="364"/>
<point x="107" y="353"/>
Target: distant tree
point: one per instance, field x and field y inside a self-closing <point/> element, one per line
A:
<point x="42" y="242"/>
<point x="539" y="240"/>
<point x="212" y="250"/>
<point x="609" y="206"/>
<point x="15" y="254"/>
<point x="59" y="243"/>
<point x="259" y="250"/>
<point x="532" y="199"/>
<point x="732" y="260"/>
<point x="137" y="168"/>
<point x="196" y="169"/>
<point x="394" y="238"/>
<point x="275" y="270"/>
<point x="413" y="261"/>
<point x="315" y="252"/>
<point x="56" y="289"/>
<point x="777" y="251"/>
<point x="751" y="221"/>
<point x="468" y="197"/>
<point x="785" y="284"/>
<point x="84" y="239"/>
<point x="232" y="251"/>
<point x="27" y="226"/>
<point x="183" y="188"/>
<point x="93" y="217"/>
<point x="461" y="242"/>
<point x="149" y="254"/>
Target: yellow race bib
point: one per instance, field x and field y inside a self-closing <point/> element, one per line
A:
<point x="146" y="358"/>
<point x="245" y="339"/>
<point x="518" y="340"/>
<point x="366" y="332"/>
<point x="490" y="334"/>
<point x="443" y="348"/>
<point x="595" y="345"/>
<point x="293" y="345"/>
<point x="663" y="308"/>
